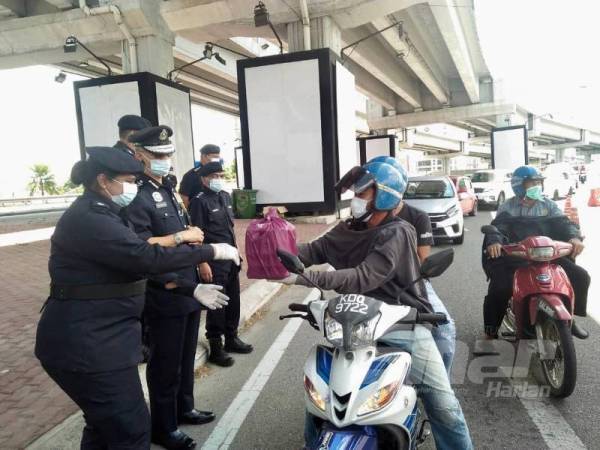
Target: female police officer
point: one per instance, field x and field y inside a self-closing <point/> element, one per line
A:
<point x="88" y="338"/>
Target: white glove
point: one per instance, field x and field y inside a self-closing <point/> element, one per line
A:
<point x="226" y="251"/>
<point x="209" y="296"/>
<point x="289" y="280"/>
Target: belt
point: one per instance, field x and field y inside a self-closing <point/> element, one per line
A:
<point x="97" y="291"/>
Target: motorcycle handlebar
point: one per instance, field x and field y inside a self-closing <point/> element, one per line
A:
<point x="433" y="318"/>
<point x="298" y="307"/>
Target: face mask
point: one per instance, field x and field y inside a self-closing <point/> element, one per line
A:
<point x="358" y="207"/>
<point x="534" y="193"/>
<point x="130" y="190"/>
<point x="216" y="185"/>
<point x="160" y="167"/>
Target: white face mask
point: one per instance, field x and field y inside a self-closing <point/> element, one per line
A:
<point x="358" y="207"/>
<point x="160" y="167"/>
<point x="130" y="190"/>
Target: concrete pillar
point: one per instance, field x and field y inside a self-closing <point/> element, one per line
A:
<point x="155" y="55"/>
<point x="324" y="33"/>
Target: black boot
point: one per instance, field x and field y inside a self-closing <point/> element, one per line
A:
<point x="579" y="332"/>
<point x="217" y="355"/>
<point x="234" y="344"/>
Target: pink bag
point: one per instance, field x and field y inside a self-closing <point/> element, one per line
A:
<point x="263" y="238"/>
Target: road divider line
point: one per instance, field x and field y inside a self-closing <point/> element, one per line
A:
<point x="25" y="237"/>
<point x="230" y="423"/>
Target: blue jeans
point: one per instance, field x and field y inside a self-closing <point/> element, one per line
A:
<point x="443" y="335"/>
<point x="428" y="374"/>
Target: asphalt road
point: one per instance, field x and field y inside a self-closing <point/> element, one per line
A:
<point x="267" y="411"/>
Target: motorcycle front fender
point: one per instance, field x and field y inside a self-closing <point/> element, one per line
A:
<point x="551" y="305"/>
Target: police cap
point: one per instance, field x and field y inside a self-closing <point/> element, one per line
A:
<point x="117" y="162"/>
<point x="133" y="122"/>
<point x="210" y="149"/>
<point x="154" y="139"/>
<point x="210" y="168"/>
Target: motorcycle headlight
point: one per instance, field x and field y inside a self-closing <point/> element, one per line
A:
<point x="541" y="253"/>
<point x="379" y="399"/>
<point x="313" y="394"/>
<point x="362" y="333"/>
<point x="334" y="331"/>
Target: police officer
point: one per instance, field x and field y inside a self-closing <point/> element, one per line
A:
<point x="129" y="124"/>
<point x="211" y="210"/>
<point x="190" y="183"/>
<point x="173" y="315"/>
<point x="88" y="337"/>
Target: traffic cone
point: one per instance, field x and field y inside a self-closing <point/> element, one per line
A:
<point x="568" y="206"/>
<point x="594" y="197"/>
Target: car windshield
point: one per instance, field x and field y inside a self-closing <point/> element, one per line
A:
<point x="429" y="189"/>
<point x="482" y="177"/>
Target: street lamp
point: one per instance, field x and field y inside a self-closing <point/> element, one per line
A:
<point x="261" y="18"/>
<point x="207" y="53"/>
<point x="71" y="44"/>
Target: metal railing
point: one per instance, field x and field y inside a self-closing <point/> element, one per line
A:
<point x="45" y="199"/>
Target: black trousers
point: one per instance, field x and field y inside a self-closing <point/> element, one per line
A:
<point x="113" y="405"/>
<point x="500" y="291"/>
<point x="225" y="321"/>
<point x="170" y="370"/>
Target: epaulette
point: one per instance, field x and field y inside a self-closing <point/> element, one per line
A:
<point x="97" y="205"/>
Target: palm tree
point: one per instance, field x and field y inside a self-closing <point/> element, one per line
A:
<point x="42" y="180"/>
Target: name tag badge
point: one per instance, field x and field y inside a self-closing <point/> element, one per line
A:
<point x="161" y="205"/>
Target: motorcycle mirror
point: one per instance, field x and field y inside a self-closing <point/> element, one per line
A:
<point x="290" y="261"/>
<point x="436" y="264"/>
<point x="489" y="229"/>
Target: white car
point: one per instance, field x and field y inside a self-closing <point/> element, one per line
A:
<point x="559" y="181"/>
<point x="492" y="187"/>
<point x="437" y="196"/>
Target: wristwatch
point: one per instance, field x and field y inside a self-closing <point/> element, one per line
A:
<point x="178" y="238"/>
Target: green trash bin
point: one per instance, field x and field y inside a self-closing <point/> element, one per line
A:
<point x="244" y="203"/>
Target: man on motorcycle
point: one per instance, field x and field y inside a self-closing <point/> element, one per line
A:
<point x="516" y="220"/>
<point x="375" y="254"/>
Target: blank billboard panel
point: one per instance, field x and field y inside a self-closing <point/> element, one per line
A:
<point x="174" y="110"/>
<point x="103" y="106"/>
<point x="348" y="156"/>
<point x="284" y="130"/>
<point x="509" y="147"/>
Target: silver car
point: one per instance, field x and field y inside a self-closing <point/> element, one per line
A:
<point x="439" y="199"/>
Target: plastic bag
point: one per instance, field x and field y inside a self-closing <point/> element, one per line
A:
<point x="263" y="238"/>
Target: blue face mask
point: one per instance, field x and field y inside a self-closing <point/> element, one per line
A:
<point x="534" y="193"/>
<point x="160" y="167"/>
<point x="130" y="190"/>
<point x="216" y="185"/>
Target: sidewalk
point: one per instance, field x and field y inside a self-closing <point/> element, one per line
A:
<point x="31" y="404"/>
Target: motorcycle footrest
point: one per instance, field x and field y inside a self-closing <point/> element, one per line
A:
<point x="508" y="334"/>
<point x="424" y="432"/>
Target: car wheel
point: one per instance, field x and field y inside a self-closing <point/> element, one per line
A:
<point x="473" y="212"/>
<point x="501" y="199"/>
<point x="459" y="240"/>
<point x="556" y="195"/>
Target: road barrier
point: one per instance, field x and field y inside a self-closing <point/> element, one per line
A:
<point x="594" y="197"/>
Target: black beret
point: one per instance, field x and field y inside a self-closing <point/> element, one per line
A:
<point x="133" y="122"/>
<point x="211" y="167"/>
<point x="154" y="139"/>
<point x="210" y="149"/>
<point x="114" y="161"/>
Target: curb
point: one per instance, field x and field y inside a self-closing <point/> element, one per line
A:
<point x="252" y="299"/>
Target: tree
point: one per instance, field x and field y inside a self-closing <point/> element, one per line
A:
<point x="42" y="180"/>
<point x="230" y="172"/>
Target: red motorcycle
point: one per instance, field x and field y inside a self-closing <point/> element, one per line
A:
<point x="542" y="306"/>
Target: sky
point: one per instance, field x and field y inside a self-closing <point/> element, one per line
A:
<point x="544" y="53"/>
<point x="541" y="50"/>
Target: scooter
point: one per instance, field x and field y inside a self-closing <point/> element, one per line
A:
<point x="542" y="307"/>
<point x="357" y="392"/>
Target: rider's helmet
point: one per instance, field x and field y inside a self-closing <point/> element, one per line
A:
<point x="388" y="182"/>
<point x="520" y="176"/>
<point x="392" y="162"/>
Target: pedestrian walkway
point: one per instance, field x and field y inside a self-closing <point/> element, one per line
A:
<point x="31" y="404"/>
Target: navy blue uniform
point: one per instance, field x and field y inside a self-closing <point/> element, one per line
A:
<point x="91" y="347"/>
<point x="213" y="213"/>
<point x="191" y="185"/>
<point x="173" y="315"/>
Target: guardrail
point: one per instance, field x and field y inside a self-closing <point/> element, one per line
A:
<point x="45" y="199"/>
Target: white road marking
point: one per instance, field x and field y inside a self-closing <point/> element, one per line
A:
<point x="25" y="237"/>
<point x="224" y="433"/>
<point x="555" y="430"/>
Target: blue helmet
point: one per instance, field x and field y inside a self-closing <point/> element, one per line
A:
<point x="520" y="176"/>
<point x="392" y="162"/>
<point x="389" y="185"/>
